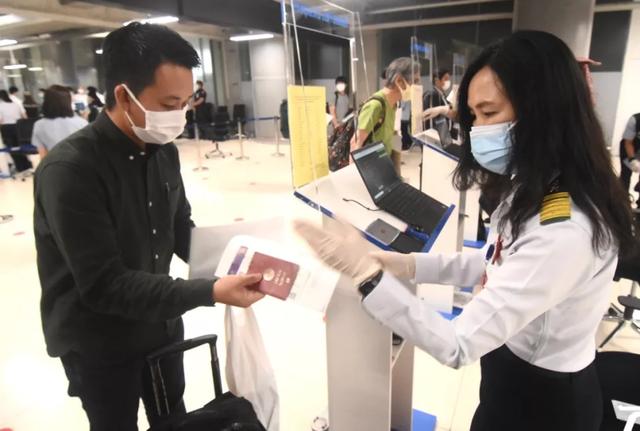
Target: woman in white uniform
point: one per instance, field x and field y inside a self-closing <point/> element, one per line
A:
<point x="529" y="132"/>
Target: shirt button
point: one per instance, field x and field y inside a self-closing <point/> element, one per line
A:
<point x="156" y="257"/>
<point x="150" y="204"/>
<point x="131" y="157"/>
<point x="153" y="231"/>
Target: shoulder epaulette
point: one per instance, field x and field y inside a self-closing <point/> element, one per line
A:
<point x="556" y="205"/>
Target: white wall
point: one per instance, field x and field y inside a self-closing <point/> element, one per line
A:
<point x="629" y="101"/>
<point x="606" y="86"/>
<point x="269" y="82"/>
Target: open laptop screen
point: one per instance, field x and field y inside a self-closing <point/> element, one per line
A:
<point x="376" y="169"/>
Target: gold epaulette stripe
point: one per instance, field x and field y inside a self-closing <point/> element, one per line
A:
<point x="555" y="207"/>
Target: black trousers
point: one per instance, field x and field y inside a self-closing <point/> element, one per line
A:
<point x="515" y="395"/>
<point x="10" y="138"/>
<point x="110" y="390"/>
<point x="625" y="177"/>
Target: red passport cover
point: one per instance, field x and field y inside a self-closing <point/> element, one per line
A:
<point x="278" y="275"/>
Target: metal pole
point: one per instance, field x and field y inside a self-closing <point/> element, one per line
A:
<point x="242" y="156"/>
<point x="276" y="125"/>
<point x="198" y="168"/>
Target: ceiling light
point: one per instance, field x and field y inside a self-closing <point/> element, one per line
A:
<point x="156" y="20"/>
<point x="100" y="35"/>
<point x="15" y="66"/>
<point x="35" y="69"/>
<point x="7" y="42"/>
<point x="246" y="37"/>
<point x="15" y="75"/>
<point x="99" y="51"/>
<point x="10" y="19"/>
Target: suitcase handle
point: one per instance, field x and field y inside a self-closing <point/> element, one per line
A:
<point x="153" y="359"/>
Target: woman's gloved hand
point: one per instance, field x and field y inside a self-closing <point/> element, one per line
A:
<point x="634" y="165"/>
<point x="435" y="112"/>
<point x="401" y="265"/>
<point x="345" y="250"/>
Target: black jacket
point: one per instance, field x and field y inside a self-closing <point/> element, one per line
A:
<point x="108" y="219"/>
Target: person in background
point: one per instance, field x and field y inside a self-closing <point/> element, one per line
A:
<point x="110" y="213"/>
<point x="376" y="120"/>
<point x="13" y="94"/>
<point x="340" y="104"/>
<point x="435" y="104"/>
<point x="31" y="107"/>
<point x="195" y="115"/>
<point x="41" y="94"/>
<point x="10" y="113"/>
<point x="629" y="153"/>
<point x="95" y="103"/>
<point x="59" y="120"/>
<point x="94" y="90"/>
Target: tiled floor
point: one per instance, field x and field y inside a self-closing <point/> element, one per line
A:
<point x="33" y="386"/>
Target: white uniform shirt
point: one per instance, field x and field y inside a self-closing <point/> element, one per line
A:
<point x="544" y="298"/>
<point x="48" y="132"/>
<point x="630" y="129"/>
<point x="15" y="99"/>
<point x="10" y="113"/>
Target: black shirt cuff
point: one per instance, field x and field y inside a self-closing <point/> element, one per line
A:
<point x="199" y="293"/>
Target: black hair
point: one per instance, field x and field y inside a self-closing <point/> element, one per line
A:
<point x="556" y="134"/>
<point x="342" y="79"/>
<point x="440" y="73"/>
<point x="13" y="89"/>
<point x="4" y="96"/>
<point x="200" y="83"/>
<point x="93" y="93"/>
<point x="131" y="55"/>
<point x="57" y="102"/>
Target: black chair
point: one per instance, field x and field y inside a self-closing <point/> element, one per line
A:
<point x="619" y="376"/>
<point x="25" y="130"/>
<point x="239" y="119"/>
<point x="11" y="140"/>
<point x="629" y="269"/>
<point x="217" y="130"/>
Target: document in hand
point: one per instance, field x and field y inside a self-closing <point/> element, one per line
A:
<point x="287" y="274"/>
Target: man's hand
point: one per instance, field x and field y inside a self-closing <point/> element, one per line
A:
<point x="238" y="290"/>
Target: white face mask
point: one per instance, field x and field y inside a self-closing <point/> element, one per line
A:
<point x="446" y="85"/>
<point x="341" y="87"/>
<point x="161" y="127"/>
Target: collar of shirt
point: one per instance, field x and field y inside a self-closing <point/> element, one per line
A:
<point x="116" y="140"/>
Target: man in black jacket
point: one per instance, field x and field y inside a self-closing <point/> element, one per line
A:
<point x="110" y="212"/>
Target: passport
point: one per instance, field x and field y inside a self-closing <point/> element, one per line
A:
<point x="278" y="275"/>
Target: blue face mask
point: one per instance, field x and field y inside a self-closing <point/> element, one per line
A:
<point x="491" y="146"/>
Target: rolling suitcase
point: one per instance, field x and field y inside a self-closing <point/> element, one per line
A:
<point x="225" y="413"/>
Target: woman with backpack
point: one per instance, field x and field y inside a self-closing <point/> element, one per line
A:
<point x="377" y="116"/>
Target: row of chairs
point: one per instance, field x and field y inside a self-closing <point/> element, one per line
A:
<point x="216" y="125"/>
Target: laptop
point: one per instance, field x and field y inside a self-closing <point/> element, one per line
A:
<point x="390" y="193"/>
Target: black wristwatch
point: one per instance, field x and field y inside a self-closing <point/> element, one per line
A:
<point x="367" y="286"/>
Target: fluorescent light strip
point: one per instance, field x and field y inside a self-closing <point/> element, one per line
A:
<point x="35" y="69"/>
<point x="99" y="51"/>
<point x="15" y="75"/>
<point x="15" y="66"/>
<point x="10" y="19"/>
<point x="246" y="37"/>
<point x="155" y="20"/>
<point x="8" y="42"/>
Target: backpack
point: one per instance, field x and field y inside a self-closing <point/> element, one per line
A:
<point x="340" y="140"/>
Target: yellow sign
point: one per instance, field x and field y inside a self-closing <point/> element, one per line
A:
<point x="308" y="133"/>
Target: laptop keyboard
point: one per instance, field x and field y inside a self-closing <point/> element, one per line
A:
<point x="413" y="207"/>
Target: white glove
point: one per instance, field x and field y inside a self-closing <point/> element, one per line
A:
<point x="634" y="165"/>
<point x="401" y="265"/>
<point x="435" y="112"/>
<point x="344" y="250"/>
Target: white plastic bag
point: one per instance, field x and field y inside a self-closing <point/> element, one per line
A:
<point x="248" y="369"/>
